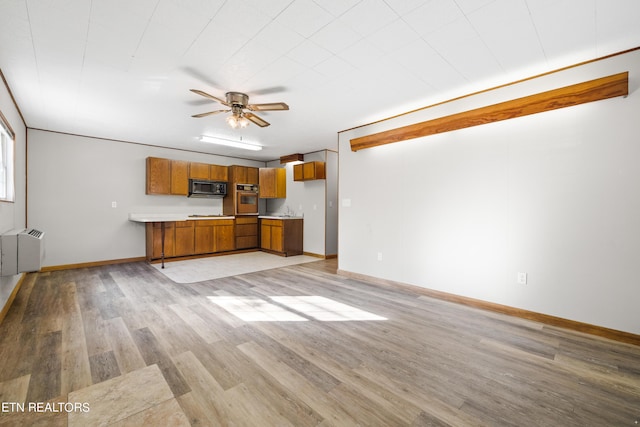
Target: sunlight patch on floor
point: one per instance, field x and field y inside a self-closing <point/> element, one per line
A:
<point x="291" y="309"/>
<point x="253" y="309"/>
<point x="325" y="309"/>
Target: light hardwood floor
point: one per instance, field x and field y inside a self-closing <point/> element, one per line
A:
<point x="137" y="349"/>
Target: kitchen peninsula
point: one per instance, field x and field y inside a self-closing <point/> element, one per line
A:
<point x="183" y="235"/>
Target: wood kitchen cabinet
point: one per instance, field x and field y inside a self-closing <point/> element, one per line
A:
<point x="154" y="240"/>
<point x="214" y="236"/>
<point x="218" y="173"/>
<point x="208" y="172"/>
<point x="309" y="171"/>
<point x="187" y="238"/>
<point x="273" y="183"/>
<point x="167" y="177"/>
<point x="184" y="238"/>
<point x="281" y="236"/>
<point x="246" y="232"/>
<point x="243" y="174"/>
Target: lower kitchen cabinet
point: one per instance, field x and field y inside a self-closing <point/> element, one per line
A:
<point x="214" y="236"/>
<point x="246" y="234"/>
<point x="186" y="238"/>
<point x="154" y="240"/>
<point x="224" y="235"/>
<point x="281" y="236"/>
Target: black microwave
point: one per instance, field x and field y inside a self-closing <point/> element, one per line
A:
<point x="204" y="188"/>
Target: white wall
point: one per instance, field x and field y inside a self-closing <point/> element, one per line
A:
<point x="72" y="182"/>
<point x="555" y="195"/>
<point x="331" y="204"/>
<point x="12" y="215"/>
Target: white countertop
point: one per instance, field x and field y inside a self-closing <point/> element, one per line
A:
<point x="279" y="217"/>
<point x="172" y="217"/>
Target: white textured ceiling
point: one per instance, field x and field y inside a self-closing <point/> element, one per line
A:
<point x="122" y="69"/>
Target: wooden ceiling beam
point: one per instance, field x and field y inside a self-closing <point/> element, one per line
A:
<point x="297" y="157"/>
<point x="568" y="96"/>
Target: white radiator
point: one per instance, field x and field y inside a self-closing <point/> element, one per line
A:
<point x="21" y="250"/>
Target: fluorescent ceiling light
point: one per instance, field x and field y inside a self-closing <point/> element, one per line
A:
<point x="230" y="143"/>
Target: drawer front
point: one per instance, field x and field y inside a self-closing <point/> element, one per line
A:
<point x="167" y="225"/>
<point x="212" y="222"/>
<point x="246" y="229"/>
<point x="184" y="224"/>
<point x="276" y="222"/>
<point x="246" y="242"/>
<point x="247" y="220"/>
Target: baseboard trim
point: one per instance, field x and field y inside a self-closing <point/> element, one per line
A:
<point x="91" y="264"/>
<point x="586" y="328"/>
<point x="319" y="255"/>
<point x="12" y="297"/>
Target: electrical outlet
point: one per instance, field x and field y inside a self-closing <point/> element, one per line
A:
<point x="114" y="204"/>
<point x="522" y="278"/>
<point x="379" y="256"/>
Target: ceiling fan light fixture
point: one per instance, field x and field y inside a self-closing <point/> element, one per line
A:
<point x="238" y="102"/>
<point x="230" y="142"/>
<point x="233" y="121"/>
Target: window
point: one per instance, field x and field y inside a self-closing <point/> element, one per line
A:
<point x="7" y="145"/>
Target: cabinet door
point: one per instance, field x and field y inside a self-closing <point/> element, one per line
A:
<point x="218" y="173"/>
<point x="158" y="176"/>
<point x="281" y="183"/>
<point x="273" y="183"/>
<point x="265" y="236"/>
<point x="224" y="238"/>
<point x="298" y="174"/>
<point x="203" y="237"/>
<point x="184" y="238"/>
<point x="240" y="175"/>
<point x="277" y="238"/>
<point x="179" y="177"/>
<point x="252" y="175"/>
<point x="156" y="237"/>
<point x="198" y="170"/>
<point x="267" y="183"/>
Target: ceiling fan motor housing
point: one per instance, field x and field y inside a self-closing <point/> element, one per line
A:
<point x="237" y="98"/>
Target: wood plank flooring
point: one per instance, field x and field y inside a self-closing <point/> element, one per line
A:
<point x="137" y="349"/>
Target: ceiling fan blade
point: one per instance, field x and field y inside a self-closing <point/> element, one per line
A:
<point x="255" y="119"/>
<point x="206" y="95"/>
<point x="209" y="113"/>
<point x="274" y="106"/>
<point x="268" y="90"/>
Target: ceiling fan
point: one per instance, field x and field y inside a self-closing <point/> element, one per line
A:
<point x="239" y="102"/>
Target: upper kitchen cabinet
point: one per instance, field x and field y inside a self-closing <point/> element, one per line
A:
<point x="243" y="174"/>
<point x="208" y="172"/>
<point x="309" y="171"/>
<point x="165" y="176"/>
<point x="273" y="183"/>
